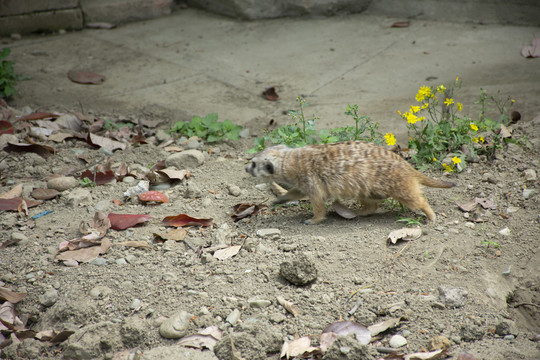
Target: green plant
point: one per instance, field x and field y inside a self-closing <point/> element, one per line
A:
<point x="443" y="129"/>
<point x="207" y="128"/>
<point x="410" y="221"/>
<point x="111" y="125"/>
<point x="86" y="182"/>
<point x="8" y="78"/>
<point x="303" y="131"/>
<point x="489" y="243"/>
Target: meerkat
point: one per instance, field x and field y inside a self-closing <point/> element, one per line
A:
<point x="353" y="170"/>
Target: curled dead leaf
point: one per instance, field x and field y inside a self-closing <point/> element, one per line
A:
<point x="228" y="252"/>
<point x="289" y="306"/>
<point x="404" y="234"/>
<point x="185" y="220"/>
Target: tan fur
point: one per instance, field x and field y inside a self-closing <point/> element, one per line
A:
<point x="360" y="171"/>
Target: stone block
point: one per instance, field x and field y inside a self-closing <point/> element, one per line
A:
<point x="255" y="9"/>
<point x="19" y="7"/>
<point x="70" y="19"/>
<point x="123" y="11"/>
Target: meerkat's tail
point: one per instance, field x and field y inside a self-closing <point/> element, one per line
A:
<point x="427" y="181"/>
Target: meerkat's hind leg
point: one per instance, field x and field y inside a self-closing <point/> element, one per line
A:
<point x="291" y="195"/>
<point x="368" y="207"/>
<point x="419" y="203"/>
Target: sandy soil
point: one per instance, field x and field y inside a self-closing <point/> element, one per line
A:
<point x="116" y="308"/>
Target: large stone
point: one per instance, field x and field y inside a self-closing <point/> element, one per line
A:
<point x="254" y="9"/>
<point x="188" y="159"/>
<point x="299" y="271"/>
<point x="176" y="326"/>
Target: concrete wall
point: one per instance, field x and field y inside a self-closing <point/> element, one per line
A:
<point x="27" y="16"/>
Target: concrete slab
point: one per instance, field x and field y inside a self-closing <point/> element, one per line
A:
<point x="194" y="63"/>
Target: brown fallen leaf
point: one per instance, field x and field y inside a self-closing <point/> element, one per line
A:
<point x="434" y="355"/>
<point x="244" y="210"/>
<point x="344" y="328"/>
<point x="42" y="150"/>
<point x="16" y="203"/>
<point x="100" y="25"/>
<point x="100" y="178"/>
<point x="6" y="127"/>
<point x="11" y="296"/>
<point x="206" y="338"/>
<point x="185" y="220"/>
<point x="85" y="254"/>
<point x="124" y="221"/>
<point x="98" y="141"/>
<point x="271" y="94"/>
<point x="289" y="306"/>
<point x="173" y="174"/>
<point x="382" y="326"/>
<point x="37" y="116"/>
<point x="401" y="24"/>
<point x="85" y="77"/>
<point x="154" y="196"/>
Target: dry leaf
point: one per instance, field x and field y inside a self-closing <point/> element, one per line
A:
<point x="173" y="174"/>
<point x="271" y="94"/>
<point x="382" y="326"/>
<point x="404" y="234"/>
<point x="533" y="50"/>
<point x="297" y="347"/>
<point x="343" y="210"/>
<point x="134" y="243"/>
<point x="124" y="221"/>
<point x="101" y="141"/>
<point x="85" y="77"/>
<point x="11" y="296"/>
<point x="344" y="328"/>
<point x="85" y="254"/>
<point x="289" y="306"/>
<point x="226" y="253"/>
<point x="153" y="195"/>
<point x="13" y="193"/>
<point x="185" y="220"/>
<point x="434" y="355"/>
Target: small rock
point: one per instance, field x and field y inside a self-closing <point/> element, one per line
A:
<point x="18" y="238"/>
<point x="162" y="136"/>
<point x="530" y="174"/>
<point x="506" y="327"/>
<point x="452" y="297"/>
<point x="192" y="191"/>
<point x="188" y="159"/>
<point x="121" y="261"/>
<point x="509" y="337"/>
<point x="62" y="183"/>
<point x="79" y="197"/>
<point x="505" y="231"/>
<point x="512" y="209"/>
<point x="98" y="261"/>
<point x="103" y="205"/>
<point x="466" y="356"/>
<point x="49" y="297"/>
<point x="176" y="326"/>
<point x="300" y="271"/>
<point x="264" y="233"/>
<point x="527" y="193"/>
<point x="244" y="133"/>
<point x="470" y="225"/>
<point x="439" y="342"/>
<point x="207" y="258"/>
<point x="234" y="190"/>
<point x="397" y="341"/>
<point x="259" y="303"/>
<point x="262" y="187"/>
<point x="233" y="317"/>
<point x="135" y="304"/>
<point x="206" y="202"/>
<point x="99" y="292"/>
<point x="193" y="144"/>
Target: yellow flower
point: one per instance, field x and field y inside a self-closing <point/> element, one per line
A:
<point x="482" y="140"/>
<point x="447" y="168"/>
<point x="448" y="102"/>
<point x="457" y="78"/>
<point x="390" y="139"/>
<point x="475" y="140"/>
<point x="415" y="109"/>
<point x="459" y="106"/>
<point x="456" y="160"/>
<point x="434" y="159"/>
<point x="424" y="92"/>
<point x="441" y="88"/>
<point x="425" y="106"/>
<point x="411" y="118"/>
<point x="474" y="127"/>
<point x="512" y="101"/>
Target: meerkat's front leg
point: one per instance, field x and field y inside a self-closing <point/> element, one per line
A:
<point x="291" y="195"/>
<point x="319" y="211"/>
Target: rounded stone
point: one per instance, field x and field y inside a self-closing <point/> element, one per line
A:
<point x="176" y="326"/>
<point x="62" y="183"/>
<point x="397" y="341"/>
<point x="49" y="297"/>
<point x="187" y="159"/>
<point x="299" y="271"/>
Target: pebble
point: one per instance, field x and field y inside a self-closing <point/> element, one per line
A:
<point x="512" y="209"/>
<point x="234" y="190"/>
<point x="121" y="261"/>
<point x="99" y="292"/>
<point x="259" y="303"/>
<point x="268" y="233"/>
<point x="49" y="297"/>
<point x="206" y="202"/>
<point x="98" y="261"/>
<point x="188" y="159"/>
<point x="192" y="191"/>
<point x="62" y="183"/>
<point x="452" y="297"/>
<point x="299" y="271"/>
<point x="439" y="342"/>
<point x="505" y="231"/>
<point x="244" y="133"/>
<point x="18" y="237"/>
<point x="530" y="174"/>
<point x="527" y="193"/>
<point x="470" y="225"/>
<point x="176" y="326"/>
<point x="128" y="180"/>
<point x="79" y="197"/>
<point x="193" y="144"/>
<point x="262" y="187"/>
<point x="71" y="263"/>
<point x="509" y="337"/>
<point x="397" y="341"/>
<point x="135" y="304"/>
<point x="103" y="205"/>
<point x="233" y="317"/>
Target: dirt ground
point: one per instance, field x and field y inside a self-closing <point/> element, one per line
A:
<point x="472" y="277"/>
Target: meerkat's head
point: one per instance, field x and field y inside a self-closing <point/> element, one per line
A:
<point x="263" y="165"/>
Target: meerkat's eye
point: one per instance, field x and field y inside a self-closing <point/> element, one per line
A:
<point x="269" y="167"/>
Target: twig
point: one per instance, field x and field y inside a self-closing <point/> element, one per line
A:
<point x="525" y="304"/>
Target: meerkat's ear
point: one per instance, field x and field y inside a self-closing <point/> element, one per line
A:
<point x="269" y="167"/>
